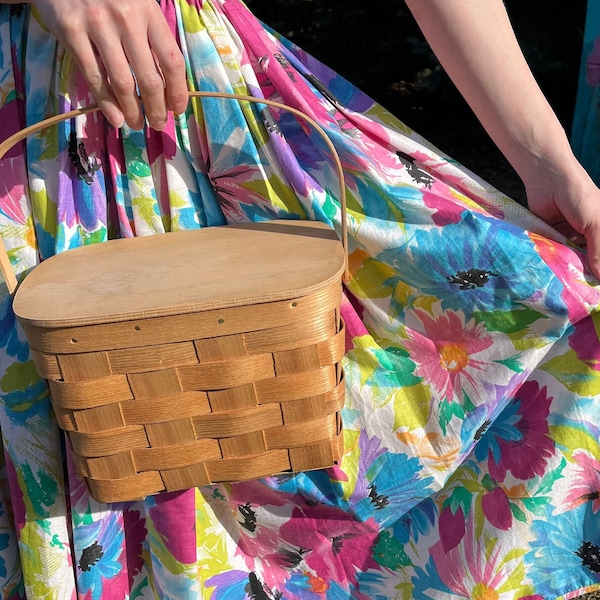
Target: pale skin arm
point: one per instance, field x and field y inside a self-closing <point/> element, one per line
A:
<point x="475" y="43"/>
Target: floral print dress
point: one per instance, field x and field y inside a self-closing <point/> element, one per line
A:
<point x="471" y="421"/>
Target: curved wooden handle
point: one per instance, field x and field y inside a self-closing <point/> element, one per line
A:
<point x="8" y="143"/>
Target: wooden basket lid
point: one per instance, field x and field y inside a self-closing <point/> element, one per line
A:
<point x="181" y="272"/>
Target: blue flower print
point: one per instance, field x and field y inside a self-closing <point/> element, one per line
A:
<point x="474" y="268"/>
<point x="564" y="551"/>
<point x="10" y="340"/>
<point x="385" y="500"/>
<point x="98" y="548"/>
<point x="503" y="428"/>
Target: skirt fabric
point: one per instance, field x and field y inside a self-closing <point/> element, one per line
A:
<point x="472" y="463"/>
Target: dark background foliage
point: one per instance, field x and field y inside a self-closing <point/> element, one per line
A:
<point x="377" y="46"/>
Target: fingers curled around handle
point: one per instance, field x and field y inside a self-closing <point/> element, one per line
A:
<point x="592" y="237"/>
<point x="95" y="75"/>
<point x="126" y="53"/>
<point x="171" y="64"/>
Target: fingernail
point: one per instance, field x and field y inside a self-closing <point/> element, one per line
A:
<point x="116" y="120"/>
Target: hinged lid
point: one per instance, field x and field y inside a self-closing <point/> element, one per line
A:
<point x="181" y="272"/>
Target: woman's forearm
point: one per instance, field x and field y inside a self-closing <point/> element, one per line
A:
<point x="475" y="43"/>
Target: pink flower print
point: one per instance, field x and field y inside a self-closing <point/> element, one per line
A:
<point x="258" y="521"/>
<point x="584" y="341"/>
<point x="352" y="313"/>
<point x="451" y="527"/>
<point x="479" y="567"/>
<point x="172" y="515"/>
<point x="568" y="265"/>
<point x="585" y="485"/>
<point x="446" y="211"/>
<point x="10" y="119"/>
<point x="450" y="354"/>
<point x="13" y="176"/>
<point x="519" y="441"/>
<point x="496" y="509"/>
<point x="79" y="494"/>
<point x="16" y="494"/>
<point x="259" y="544"/>
<point x="135" y="534"/>
<point x="321" y="542"/>
<point x="329" y="542"/>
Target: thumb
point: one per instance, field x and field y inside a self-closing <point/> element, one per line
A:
<point x="592" y="237"/>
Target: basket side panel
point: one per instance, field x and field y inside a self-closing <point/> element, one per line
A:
<point x="217" y="407"/>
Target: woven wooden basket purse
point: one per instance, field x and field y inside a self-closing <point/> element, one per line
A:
<point x="194" y="357"/>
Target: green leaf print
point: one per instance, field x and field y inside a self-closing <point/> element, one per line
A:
<point x="508" y="322"/>
<point x="550" y="478"/>
<point x="41" y="590"/>
<point x="468" y="406"/>
<point x="330" y="208"/>
<point x="19" y="376"/>
<point x="45" y="210"/>
<point x="22" y="386"/>
<point x="449" y="410"/>
<point x="146" y="207"/>
<point x="352" y="452"/>
<point x="517" y="512"/>
<point x="191" y="18"/>
<point x="138" y="591"/>
<point x="354" y="208"/>
<point x="137" y="165"/>
<point x="369" y="357"/>
<point x="93" y="237"/>
<point x="402" y="365"/>
<point x="513" y="363"/>
<point x="488" y="483"/>
<point x="460" y="498"/>
<point x="388" y="552"/>
<point x="514" y="583"/>
<point x="411" y="407"/>
<point x="278" y="191"/>
<point x="49" y="145"/>
<point x="574" y="374"/>
<point x="41" y="491"/>
<point x="570" y="439"/>
<point x="83" y="516"/>
<point x="536" y="505"/>
<point x="372" y="278"/>
<point x="405" y="591"/>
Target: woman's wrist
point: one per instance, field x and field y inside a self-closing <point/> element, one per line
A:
<point x="540" y="149"/>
